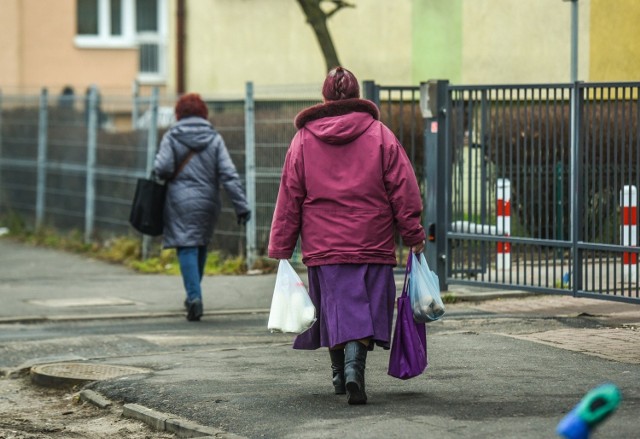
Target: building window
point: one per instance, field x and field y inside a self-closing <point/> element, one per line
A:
<point x="116" y="17"/>
<point x="87" y="17"/>
<point x="113" y="24"/>
<point x="147" y="16"/>
<point x="150" y="38"/>
<point x="104" y="23"/>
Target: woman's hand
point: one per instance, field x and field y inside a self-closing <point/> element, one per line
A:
<point x="418" y="248"/>
<point x="243" y="218"/>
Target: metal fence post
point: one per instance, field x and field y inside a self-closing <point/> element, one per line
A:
<point x="92" y="144"/>
<point x="2" y="194"/>
<point x="152" y="132"/>
<point x="152" y="142"/>
<point x="250" y="172"/>
<point x="433" y="103"/>
<point x="134" y="110"/>
<point x="42" y="158"/>
<point x="370" y="91"/>
<point x="576" y="194"/>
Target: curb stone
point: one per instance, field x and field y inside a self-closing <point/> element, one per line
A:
<point x="140" y="315"/>
<point x="169" y="423"/>
<point x="458" y="296"/>
<point x="95" y="398"/>
<point x="159" y="421"/>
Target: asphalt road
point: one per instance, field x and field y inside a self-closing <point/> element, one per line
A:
<point x="230" y="373"/>
<point x="507" y="368"/>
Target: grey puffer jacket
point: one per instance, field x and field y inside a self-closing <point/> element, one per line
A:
<point x="193" y="197"/>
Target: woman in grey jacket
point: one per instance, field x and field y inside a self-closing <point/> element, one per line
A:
<point x="194" y="160"/>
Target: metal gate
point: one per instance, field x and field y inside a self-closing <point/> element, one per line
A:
<point x="534" y="187"/>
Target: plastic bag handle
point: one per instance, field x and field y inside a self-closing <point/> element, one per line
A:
<point x="406" y="274"/>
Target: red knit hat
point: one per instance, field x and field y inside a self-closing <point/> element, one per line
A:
<point x="339" y="84"/>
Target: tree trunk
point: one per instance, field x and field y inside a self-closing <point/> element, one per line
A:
<point x="317" y="19"/>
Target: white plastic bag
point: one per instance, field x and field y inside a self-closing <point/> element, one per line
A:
<point x="291" y="306"/>
<point x="424" y="291"/>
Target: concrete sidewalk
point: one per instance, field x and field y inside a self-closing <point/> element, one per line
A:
<point x="43" y="284"/>
<point x="228" y="377"/>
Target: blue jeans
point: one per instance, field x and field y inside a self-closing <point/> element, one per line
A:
<point x="192" y="260"/>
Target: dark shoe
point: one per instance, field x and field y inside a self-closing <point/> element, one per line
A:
<point x="186" y="304"/>
<point x="355" y="359"/>
<point x="337" y="369"/>
<point x="194" y="311"/>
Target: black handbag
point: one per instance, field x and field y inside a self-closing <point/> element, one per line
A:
<point x="148" y="205"/>
<point x="147" y="209"/>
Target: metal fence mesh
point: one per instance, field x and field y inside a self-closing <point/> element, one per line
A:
<point x="563" y="229"/>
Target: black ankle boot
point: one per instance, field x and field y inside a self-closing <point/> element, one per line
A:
<point x="194" y="311"/>
<point x="355" y="359"/>
<point x="337" y="368"/>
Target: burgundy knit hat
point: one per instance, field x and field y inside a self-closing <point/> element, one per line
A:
<point x="339" y="84"/>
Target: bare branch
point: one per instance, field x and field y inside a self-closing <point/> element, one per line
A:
<point x="317" y="19"/>
<point x="338" y="4"/>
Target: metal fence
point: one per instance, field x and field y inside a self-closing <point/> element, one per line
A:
<point x="270" y="112"/>
<point x="72" y="162"/>
<point x="528" y="187"/>
<point x="542" y="187"/>
<point x="61" y="166"/>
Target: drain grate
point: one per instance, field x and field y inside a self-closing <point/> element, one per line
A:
<point x="71" y="374"/>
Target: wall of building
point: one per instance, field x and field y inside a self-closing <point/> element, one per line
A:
<point x="400" y="42"/>
<point x="42" y="34"/>
<point x="437" y="40"/>
<point x="231" y="42"/>
<point x="10" y="55"/>
<point x="523" y="41"/>
<point x="615" y="40"/>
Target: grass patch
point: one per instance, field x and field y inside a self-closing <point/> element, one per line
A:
<point x="449" y="298"/>
<point x="123" y="250"/>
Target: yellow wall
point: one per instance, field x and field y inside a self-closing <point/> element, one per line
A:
<point x="615" y="40"/>
<point x="269" y="42"/>
<point x="521" y="41"/>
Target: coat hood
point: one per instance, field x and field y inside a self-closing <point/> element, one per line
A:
<point x="338" y="122"/>
<point x="193" y="132"/>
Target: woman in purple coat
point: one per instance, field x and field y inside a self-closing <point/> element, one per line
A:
<point x="346" y="185"/>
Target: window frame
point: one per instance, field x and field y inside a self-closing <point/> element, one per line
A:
<point x="161" y="40"/>
<point x="104" y="39"/>
<point x="129" y="39"/>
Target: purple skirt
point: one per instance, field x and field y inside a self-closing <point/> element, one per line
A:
<point x="353" y="302"/>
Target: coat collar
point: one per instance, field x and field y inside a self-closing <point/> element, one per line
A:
<point x="336" y="108"/>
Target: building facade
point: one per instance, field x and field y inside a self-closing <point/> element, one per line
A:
<point x="216" y="46"/>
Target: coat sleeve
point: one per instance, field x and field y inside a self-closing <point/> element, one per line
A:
<point x="164" y="164"/>
<point x="230" y="179"/>
<point x="287" y="216"/>
<point x="403" y="191"/>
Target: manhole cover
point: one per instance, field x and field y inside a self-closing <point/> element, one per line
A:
<point x="71" y="374"/>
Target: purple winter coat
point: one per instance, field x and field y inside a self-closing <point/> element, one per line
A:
<point x="346" y="182"/>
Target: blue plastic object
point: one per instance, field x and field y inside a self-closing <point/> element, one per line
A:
<point x="594" y="408"/>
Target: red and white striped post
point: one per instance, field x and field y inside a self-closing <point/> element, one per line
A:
<point x="628" y="231"/>
<point x="503" y="211"/>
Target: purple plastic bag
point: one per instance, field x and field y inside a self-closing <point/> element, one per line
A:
<point x="408" y="356"/>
